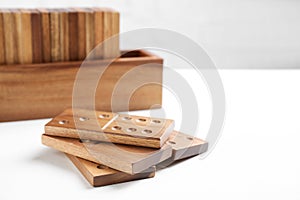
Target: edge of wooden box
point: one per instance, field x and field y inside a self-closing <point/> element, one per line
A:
<point x="127" y="56"/>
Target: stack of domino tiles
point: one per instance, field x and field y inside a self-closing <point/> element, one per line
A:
<point x="110" y="148"/>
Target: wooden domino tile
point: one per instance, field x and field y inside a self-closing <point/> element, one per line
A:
<point x="185" y="146"/>
<point x="9" y="42"/>
<point x="129" y="159"/>
<point x="36" y="31"/>
<point x="125" y="158"/>
<point x="2" y="40"/>
<point x="46" y="35"/>
<point x="112" y="127"/>
<point x="101" y="175"/>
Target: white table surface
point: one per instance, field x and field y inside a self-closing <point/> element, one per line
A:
<point x="257" y="156"/>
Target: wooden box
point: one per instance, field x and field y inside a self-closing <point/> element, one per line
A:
<point x="32" y="91"/>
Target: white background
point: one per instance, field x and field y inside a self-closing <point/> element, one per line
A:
<point x="257" y="156"/>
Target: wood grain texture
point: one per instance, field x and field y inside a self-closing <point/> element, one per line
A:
<point x="73" y="34"/>
<point x="18" y="34"/>
<point x="14" y="33"/>
<point x="107" y="33"/>
<point x="81" y="34"/>
<point x="2" y="50"/>
<point x="128" y="159"/>
<point x="55" y="35"/>
<point x="36" y="29"/>
<point x="89" y="29"/>
<point x="111" y="127"/>
<point x="101" y="175"/>
<point x="62" y="33"/>
<point x="98" y="33"/>
<point x="44" y="90"/>
<point x="65" y="34"/>
<point x="46" y="40"/>
<point x="10" y="43"/>
<point x="115" y="34"/>
<point x="26" y="39"/>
